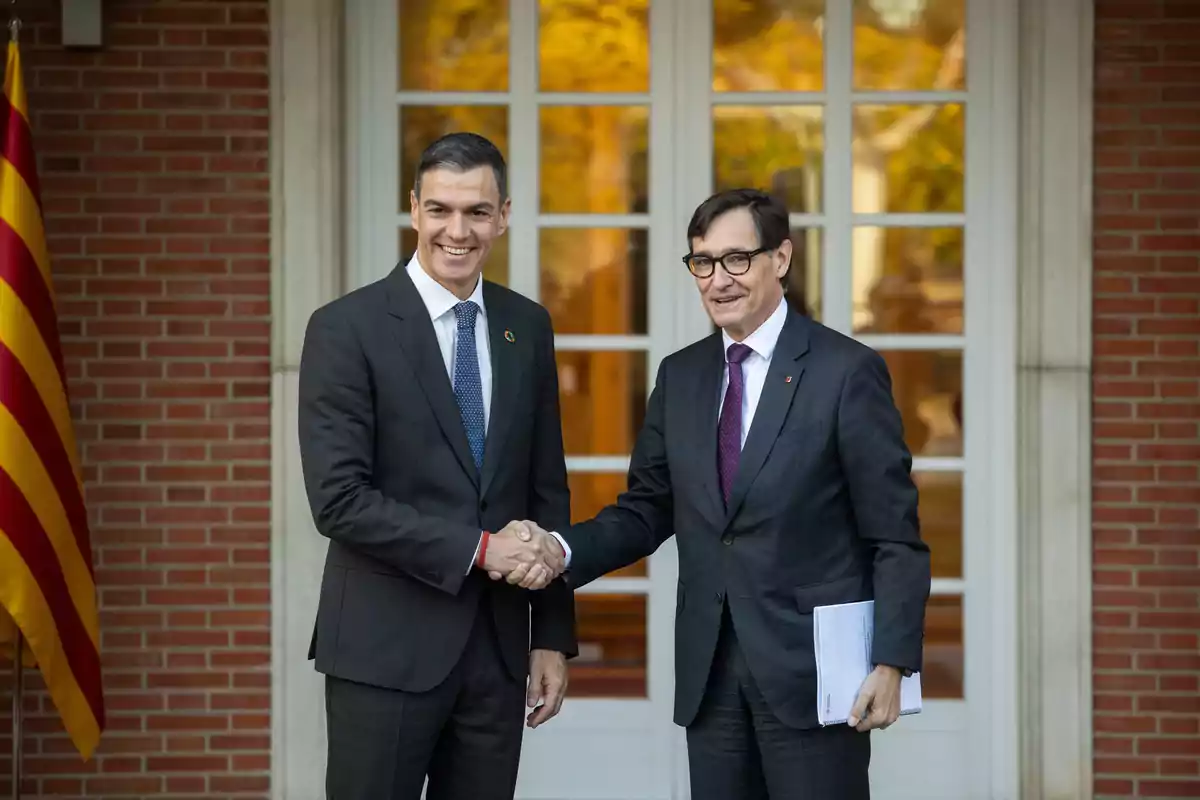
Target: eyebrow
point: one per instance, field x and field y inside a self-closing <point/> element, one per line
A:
<point x="432" y="203"/>
<point x="724" y="252"/>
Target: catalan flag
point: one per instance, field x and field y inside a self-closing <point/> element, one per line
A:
<point x="47" y="583"/>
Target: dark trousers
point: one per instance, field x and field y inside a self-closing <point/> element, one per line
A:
<point x="464" y="734"/>
<point x="739" y="750"/>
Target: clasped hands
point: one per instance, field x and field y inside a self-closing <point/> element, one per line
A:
<point x="524" y="554"/>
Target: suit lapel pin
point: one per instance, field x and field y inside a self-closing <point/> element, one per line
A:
<point x="788" y="379"/>
<point x="508" y="337"/>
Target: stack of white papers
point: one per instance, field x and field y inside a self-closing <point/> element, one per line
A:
<point x="842" y="643"/>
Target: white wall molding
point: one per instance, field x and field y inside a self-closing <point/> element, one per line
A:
<point x="1054" y="399"/>
<point x="306" y="272"/>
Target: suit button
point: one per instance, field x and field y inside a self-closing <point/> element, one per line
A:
<point x="720" y="597"/>
<point x="727" y="539"/>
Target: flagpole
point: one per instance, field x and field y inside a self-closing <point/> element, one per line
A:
<point x="17" y="726"/>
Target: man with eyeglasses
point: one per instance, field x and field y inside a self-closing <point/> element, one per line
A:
<point x="774" y="452"/>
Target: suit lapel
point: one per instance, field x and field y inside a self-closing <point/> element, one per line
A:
<point x="783" y="377"/>
<point x="706" y="393"/>
<point x="414" y="333"/>
<point x="507" y="376"/>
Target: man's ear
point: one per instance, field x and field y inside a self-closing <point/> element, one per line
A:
<point x="783" y="258"/>
<point x="505" y="212"/>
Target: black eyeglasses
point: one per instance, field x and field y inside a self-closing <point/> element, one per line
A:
<point x="735" y="263"/>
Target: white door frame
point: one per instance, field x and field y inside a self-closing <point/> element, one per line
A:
<point x="1051" y="370"/>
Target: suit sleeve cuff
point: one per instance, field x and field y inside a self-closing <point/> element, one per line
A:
<point x="566" y="547"/>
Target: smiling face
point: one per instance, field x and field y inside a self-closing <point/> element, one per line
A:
<point x="739" y="304"/>
<point x="457" y="215"/>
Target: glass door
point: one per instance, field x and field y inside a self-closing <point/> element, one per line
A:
<point x="858" y="115"/>
<point x="581" y="109"/>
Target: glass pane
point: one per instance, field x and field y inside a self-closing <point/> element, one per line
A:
<point x="941" y="511"/>
<point x="592" y="491"/>
<point x="804" y="277"/>
<point x="768" y="45"/>
<point x="495" y="269"/>
<point x="594" y="280"/>
<point x="420" y="125"/>
<point x="612" y="646"/>
<point x="909" y="46"/>
<point x="777" y="149"/>
<point x="908" y="159"/>
<point x="583" y="47"/>
<point x="927" y="385"/>
<point x="942" y="673"/>
<point x="603" y="397"/>
<point x="594" y="159"/>
<point x="453" y="47"/>
<point x="908" y="280"/>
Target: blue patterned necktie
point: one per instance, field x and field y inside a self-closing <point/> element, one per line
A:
<point x="729" y="429"/>
<point x="468" y="389"/>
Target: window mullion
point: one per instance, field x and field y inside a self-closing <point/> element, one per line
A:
<point x="837" y="273"/>
<point x="523" y="143"/>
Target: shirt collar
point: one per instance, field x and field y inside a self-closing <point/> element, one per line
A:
<point x="764" y="339"/>
<point x="437" y="298"/>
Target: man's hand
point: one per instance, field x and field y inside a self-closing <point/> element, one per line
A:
<point x="878" y="703"/>
<point x="547" y="685"/>
<point x="533" y="576"/>
<point x="523" y="546"/>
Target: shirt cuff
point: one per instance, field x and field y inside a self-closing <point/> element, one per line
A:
<point x="475" y="557"/>
<point x="566" y="547"/>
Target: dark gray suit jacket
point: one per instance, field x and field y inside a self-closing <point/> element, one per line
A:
<point x="823" y="510"/>
<point x="392" y="484"/>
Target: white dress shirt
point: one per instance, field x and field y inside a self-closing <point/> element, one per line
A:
<point x="754" y="373"/>
<point x="754" y="369"/>
<point x="440" y="303"/>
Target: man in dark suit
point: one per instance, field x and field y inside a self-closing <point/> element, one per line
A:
<point x="774" y="453"/>
<point x="429" y="417"/>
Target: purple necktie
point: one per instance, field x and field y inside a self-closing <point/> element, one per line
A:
<point x="729" y="429"/>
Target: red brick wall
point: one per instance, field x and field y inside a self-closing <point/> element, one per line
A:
<point x="153" y="159"/>
<point x="1147" y="399"/>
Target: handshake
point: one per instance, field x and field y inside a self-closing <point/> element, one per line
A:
<point x="524" y="555"/>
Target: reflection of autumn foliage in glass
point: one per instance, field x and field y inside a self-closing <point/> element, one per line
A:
<point x="902" y="46"/>
<point x="591" y="46"/>
<point x="453" y="45"/>
<point x="768" y="45"/>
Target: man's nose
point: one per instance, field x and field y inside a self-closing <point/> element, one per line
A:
<point x="720" y="278"/>
<point x="458" y="227"/>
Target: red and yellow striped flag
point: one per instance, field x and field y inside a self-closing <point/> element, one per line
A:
<point x="47" y="583"/>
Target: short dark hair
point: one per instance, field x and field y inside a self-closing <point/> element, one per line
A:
<point x="769" y="213"/>
<point x="463" y="151"/>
